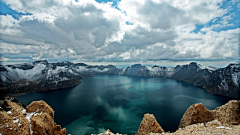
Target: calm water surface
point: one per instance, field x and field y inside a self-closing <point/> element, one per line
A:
<point x="118" y="103"/>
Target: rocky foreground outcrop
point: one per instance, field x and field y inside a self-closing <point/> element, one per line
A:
<point x="226" y="114"/>
<point x="149" y="125"/>
<point x="37" y="118"/>
<point x="210" y="128"/>
<point x="199" y="120"/>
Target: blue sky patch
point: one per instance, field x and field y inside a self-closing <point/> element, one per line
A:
<point x="6" y="10"/>
<point x="217" y="24"/>
<point x="198" y="28"/>
<point x="129" y="23"/>
<point x="114" y="4"/>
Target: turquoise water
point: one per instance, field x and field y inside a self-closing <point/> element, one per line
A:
<point x="118" y="103"/>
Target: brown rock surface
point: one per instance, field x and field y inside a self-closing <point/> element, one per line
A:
<point x="149" y="125"/>
<point x="226" y="114"/>
<point x="40" y="106"/>
<point x="37" y="118"/>
<point x="13" y="120"/>
<point x="196" y="113"/>
<point x="209" y="128"/>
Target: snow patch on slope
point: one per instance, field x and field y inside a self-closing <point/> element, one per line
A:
<point x="210" y="69"/>
<point x="82" y="69"/>
<point x="3" y="78"/>
<point x="224" y="85"/>
<point x="56" y="71"/>
<point x="29" y="74"/>
<point x="159" y="71"/>
<point x="235" y="78"/>
<point x="28" y="117"/>
<point x="20" y="74"/>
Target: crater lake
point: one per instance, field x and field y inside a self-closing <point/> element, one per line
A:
<point x="119" y="103"/>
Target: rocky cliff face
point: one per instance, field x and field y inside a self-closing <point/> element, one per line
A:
<point x="37" y="118"/>
<point x="146" y="71"/>
<point x="223" y="81"/>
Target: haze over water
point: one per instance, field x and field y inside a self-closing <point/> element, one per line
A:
<point x="118" y="103"/>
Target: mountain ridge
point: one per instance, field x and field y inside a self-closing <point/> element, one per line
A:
<point x="48" y="76"/>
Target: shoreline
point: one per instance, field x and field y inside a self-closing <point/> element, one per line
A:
<point x="12" y="95"/>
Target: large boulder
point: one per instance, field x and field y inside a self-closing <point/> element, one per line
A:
<point x="199" y="120"/>
<point x="13" y="121"/>
<point x="197" y="113"/>
<point x="149" y="125"/>
<point x="37" y="118"/>
<point x="40" y="106"/>
<point x="228" y="113"/>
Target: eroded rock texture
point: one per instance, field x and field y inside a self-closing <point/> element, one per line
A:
<point x="226" y="114"/>
<point x="37" y="118"/>
<point x="149" y="125"/>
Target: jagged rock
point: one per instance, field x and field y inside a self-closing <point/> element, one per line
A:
<point x="13" y="120"/>
<point x="210" y="128"/>
<point x="37" y="118"/>
<point x="198" y="120"/>
<point x="12" y="99"/>
<point x="196" y="113"/>
<point x="149" y="125"/>
<point x="226" y="114"/>
<point x="40" y="106"/>
<point x="3" y="103"/>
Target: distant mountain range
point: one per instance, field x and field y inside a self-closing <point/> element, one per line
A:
<point x="42" y="76"/>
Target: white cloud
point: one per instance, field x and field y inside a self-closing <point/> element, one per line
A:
<point x="91" y="31"/>
<point x="167" y="14"/>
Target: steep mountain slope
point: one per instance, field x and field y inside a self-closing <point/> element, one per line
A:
<point x="223" y="81"/>
<point x="146" y="71"/>
<point x="43" y="76"/>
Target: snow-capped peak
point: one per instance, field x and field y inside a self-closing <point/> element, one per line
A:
<point x="206" y="67"/>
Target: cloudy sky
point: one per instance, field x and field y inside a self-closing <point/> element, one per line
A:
<point x="119" y="31"/>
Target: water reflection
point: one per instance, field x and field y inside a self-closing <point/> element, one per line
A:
<point x="118" y="103"/>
